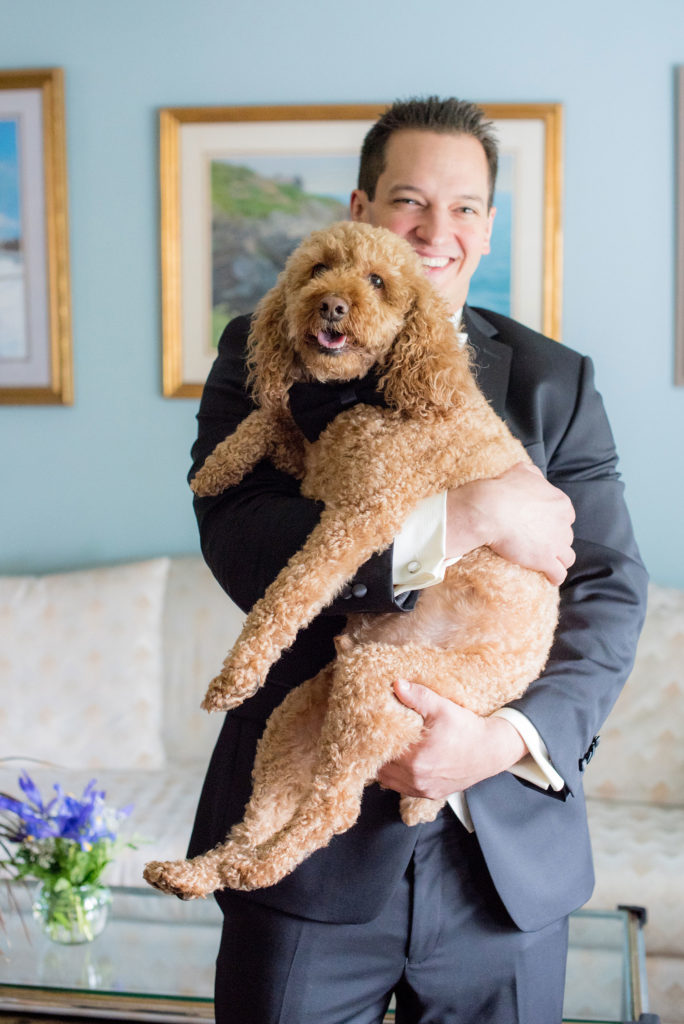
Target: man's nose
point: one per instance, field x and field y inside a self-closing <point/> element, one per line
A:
<point x="434" y="226"/>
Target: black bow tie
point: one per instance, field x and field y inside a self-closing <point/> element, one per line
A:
<point x="314" y="405"/>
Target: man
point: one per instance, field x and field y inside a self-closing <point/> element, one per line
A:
<point x="464" y="919"/>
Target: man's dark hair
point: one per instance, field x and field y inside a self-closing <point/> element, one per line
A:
<point x="450" y="116"/>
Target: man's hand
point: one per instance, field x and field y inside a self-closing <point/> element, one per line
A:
<point x="457" y="748"/>
<point x="519" y="515"/>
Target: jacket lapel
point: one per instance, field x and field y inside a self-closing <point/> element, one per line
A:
<point x="491" y="359"/>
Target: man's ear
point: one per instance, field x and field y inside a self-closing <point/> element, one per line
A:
<point x="359" y="206"/>
<point x="487" y="247"/>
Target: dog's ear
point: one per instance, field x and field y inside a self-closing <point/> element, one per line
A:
<point x="426" y="369"/>
<point x="270" y="354"/>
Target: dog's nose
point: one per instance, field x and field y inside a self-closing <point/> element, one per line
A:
<point x="332" y="307"/>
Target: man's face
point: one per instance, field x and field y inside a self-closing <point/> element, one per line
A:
<point x="434" y="192"/>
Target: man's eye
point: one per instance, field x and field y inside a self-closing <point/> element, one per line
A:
<point x="319" y="269"/>
<point x="376" y="280"/>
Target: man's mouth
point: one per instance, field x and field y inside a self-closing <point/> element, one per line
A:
<point x="435" y="262"/>
<point x="331" y="341"/>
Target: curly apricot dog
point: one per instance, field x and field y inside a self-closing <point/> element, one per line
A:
<point x="352" y="298"/>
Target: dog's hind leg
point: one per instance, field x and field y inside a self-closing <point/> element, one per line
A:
<point x="360" y="733"/>
<point x="282" y="772"/>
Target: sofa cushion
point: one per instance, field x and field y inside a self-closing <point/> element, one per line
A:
<point x="641" y="755"/>
<point x="639" y="859"/>
<point x="81" y="665"/>
<point x="201" y="624"/>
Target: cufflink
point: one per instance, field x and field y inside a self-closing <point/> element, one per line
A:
<point x="413" y="566"/>
<point x="358" y="590"/>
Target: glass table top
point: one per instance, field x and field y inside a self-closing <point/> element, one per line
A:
<point x="156" y="957"/>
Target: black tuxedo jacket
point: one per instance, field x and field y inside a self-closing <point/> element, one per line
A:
<point x="535" y="842"/>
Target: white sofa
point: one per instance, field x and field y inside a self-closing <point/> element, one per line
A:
<point x="104" y="671"/>
<point x="635" y="800"/>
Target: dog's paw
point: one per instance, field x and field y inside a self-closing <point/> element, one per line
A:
<point x="181" y="878"/>
<point x="416" y="810"/>
<point x="206" y="484"/>
<point x="223" y="693"/>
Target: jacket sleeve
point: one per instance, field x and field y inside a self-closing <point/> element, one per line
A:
<point x="249" y="532"/>
<point x="603" y="599"/>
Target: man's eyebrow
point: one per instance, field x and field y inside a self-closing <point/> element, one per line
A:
<point x="405" y="188"/>
<point x="457" y="199"/>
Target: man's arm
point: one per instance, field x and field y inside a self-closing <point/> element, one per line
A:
<point x="602" y="609"/>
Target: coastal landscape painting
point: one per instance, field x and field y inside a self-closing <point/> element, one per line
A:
<point x="241" y="187"/>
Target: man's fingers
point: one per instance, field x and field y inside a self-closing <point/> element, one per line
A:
<point x="418" y="697"/>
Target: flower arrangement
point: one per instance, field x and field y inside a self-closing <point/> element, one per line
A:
<point x="66" y="845"/>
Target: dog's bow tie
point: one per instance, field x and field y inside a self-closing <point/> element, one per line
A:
<point x="314" y="405"/>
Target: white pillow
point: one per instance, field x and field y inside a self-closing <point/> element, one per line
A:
<point x="201" y="624"/>
<point x="81" y="666"/>
<point x="641" y="755"/>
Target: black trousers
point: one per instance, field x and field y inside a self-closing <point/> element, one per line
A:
<point x="444" y="945"/>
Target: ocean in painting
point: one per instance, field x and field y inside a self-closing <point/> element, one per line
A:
<point x="13" y="337"/>
<point x="491" y="283"/>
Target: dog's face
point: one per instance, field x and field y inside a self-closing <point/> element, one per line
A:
<point x="348" y="291"/>
<point x="350" y="298"/>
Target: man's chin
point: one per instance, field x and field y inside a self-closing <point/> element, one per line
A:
<point x="452" y="292"/>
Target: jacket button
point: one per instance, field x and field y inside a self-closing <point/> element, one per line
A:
<point x="359" y="590"/>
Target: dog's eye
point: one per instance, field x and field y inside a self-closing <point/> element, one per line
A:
<point x="376" y="280"/>
<point x="319" y="269"/>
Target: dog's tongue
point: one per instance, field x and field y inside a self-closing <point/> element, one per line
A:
<point x="329" y="339"/>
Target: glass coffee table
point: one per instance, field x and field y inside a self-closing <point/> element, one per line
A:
<point x="155" y="962"/>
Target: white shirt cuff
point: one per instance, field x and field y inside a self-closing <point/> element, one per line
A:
<point x="459" y="805"/>
<point x="419" y="555"/>
<point x="536" y="766"/>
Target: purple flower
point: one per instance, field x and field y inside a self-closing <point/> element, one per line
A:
<point x="85" y="820"/>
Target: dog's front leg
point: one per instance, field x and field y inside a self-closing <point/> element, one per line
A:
<point x="333" y="552"/>
<point x="253" y="440"/>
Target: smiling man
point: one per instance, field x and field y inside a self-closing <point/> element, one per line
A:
<point x="434" y="190"/>
<point x="464" y="920"/>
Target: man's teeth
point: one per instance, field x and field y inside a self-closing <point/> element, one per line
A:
<point x="434" y="261"/>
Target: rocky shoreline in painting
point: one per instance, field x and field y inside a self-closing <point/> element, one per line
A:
<point x="256" y="224"/>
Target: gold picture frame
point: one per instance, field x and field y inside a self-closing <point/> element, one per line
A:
<point x="679" y="264"/>
<point x="35" y="301"/>
<point x="194" y="140"/>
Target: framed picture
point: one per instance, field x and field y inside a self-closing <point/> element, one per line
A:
<point x="241" y="186"/>
<point x="35" y="307"/>
<point x="679" y="269"/>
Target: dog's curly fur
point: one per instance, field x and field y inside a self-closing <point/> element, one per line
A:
<point x="479" y="638"/>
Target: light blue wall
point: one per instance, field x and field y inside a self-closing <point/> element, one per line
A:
<point x="104" y="480"/>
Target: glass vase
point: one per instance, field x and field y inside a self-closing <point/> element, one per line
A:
<point x="76" y="913"/>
